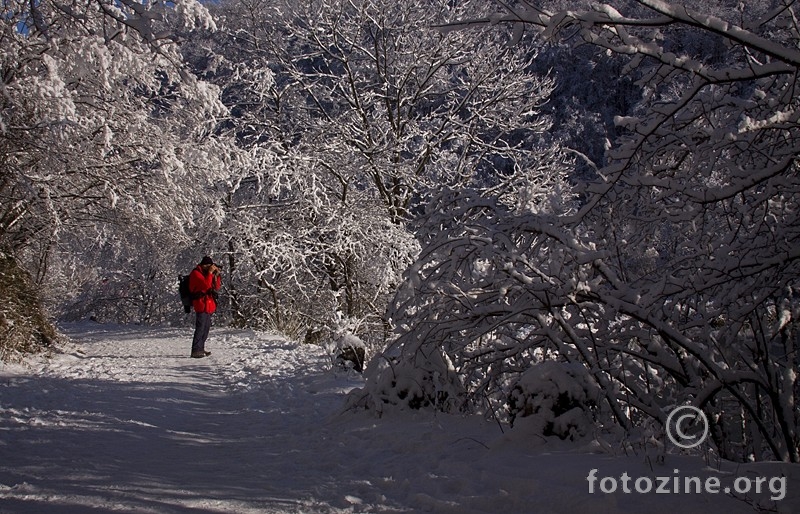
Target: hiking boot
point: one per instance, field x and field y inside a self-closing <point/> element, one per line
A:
<point x="207" y="353"/>
<point x="199" y="355"/>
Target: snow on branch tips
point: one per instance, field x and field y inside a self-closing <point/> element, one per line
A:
<point x="667" y="278"/>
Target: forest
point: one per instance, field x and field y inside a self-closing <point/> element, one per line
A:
<point x="577" y="211"/>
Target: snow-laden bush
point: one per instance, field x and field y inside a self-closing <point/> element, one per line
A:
<point x="558" y="397"/>
<point x="346" y="349"/>
<point x="421" y="380"/>
<point x="350" y="353"/>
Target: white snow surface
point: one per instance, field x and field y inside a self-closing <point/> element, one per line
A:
<point x="122" y="420"/>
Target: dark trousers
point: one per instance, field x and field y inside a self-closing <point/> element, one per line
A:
<point x="201" y="327"/>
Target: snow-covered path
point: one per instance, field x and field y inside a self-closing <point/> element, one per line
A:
<point x="127" y="421"/>
<point x="124" y="421"/>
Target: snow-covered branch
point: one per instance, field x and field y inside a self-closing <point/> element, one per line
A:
<point x="665" y="280"/>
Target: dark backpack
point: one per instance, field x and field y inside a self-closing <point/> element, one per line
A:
<point x="183" y="290"/>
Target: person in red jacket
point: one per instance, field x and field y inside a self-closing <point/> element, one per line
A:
<point x="204" y="282"/>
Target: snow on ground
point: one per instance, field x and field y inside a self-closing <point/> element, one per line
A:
<point x="122" y="420"/>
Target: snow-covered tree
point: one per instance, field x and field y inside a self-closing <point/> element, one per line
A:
<point x="351" y="112"/>
<point x="401" y="108"/>
<point x="298" y="257"/>
<point x="674" y="279"/>
<point x="100" y="126"/>
<point x="302" y="251"/>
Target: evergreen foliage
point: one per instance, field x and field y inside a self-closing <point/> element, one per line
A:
<point x="24" y="325"/>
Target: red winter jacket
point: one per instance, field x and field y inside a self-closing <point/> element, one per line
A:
<point x="201" y="286"/>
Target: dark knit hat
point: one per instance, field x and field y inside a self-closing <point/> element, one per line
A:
<point x="206" y="261"/>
